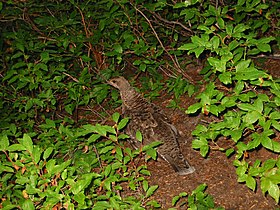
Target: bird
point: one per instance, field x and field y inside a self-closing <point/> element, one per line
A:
<point x="153" y="124"/>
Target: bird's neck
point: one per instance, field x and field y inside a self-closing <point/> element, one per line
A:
<point x="132" y="100"/>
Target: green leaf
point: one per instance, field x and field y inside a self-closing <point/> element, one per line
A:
<point x="116" y="117"/>
<point x="150" y="153"/>
<point x="253" y="51"/>
<point x="45" y="57"/>
<point x="86" y="58"/>
<point x="266" y="39"/>
<point x="265" y="184"/>
<point x="256" y="141"/>
<point x="228" y="101"/>
<point x="100" y="129"/>
<point x="145" y="185"/>
<point x="107" y="170"/>
<point x="183" y="194"/>
<point x="82" y="184"/>
<point x="123" y="136"/>
<point x="240" y="28"/>
<point x="118" y="48"/>
<point x="232" y="45"/>
<point x="225" y="78"/>
<point x="268" y="165"/>
<point x="267" y="142"/>
<point x="123" y="123"/>
<point x="119" y="153"/>
<point x="204" y="150"/>
<point x="229" y="152"/>
<point x="276" y="146"/>
<point x="6" y="169"/>
<point x="143" y="67"/>
<point x="69" y="108"/>
<point x="250" y="74"/>
<point x="236" y="135"/>
<point x="246" y="107"/>
<point x="9" y="207"/>
<point x="218" y="64"/>
<point x="198" y="51"/>
<point x="204" y="28"/>
<point x="215" y="42"/>
<point x="273" y="191"/>
<point x="106" y="149"/>
<point x="36" y="154"/>
<point x="114" y="203"/>
<point x="20" y="46"/>
<point x="258" y="104"/>
<point x="221" y="22"/>
<point x="275" y="115"/>
<point x="199" y="129"/>
<point x="251" y="183"/>
<point x="56" y="169"/>
<point x="252" y="117"/>
<point x="243" y="65"/>
<point x="153" y="144"/>
<point x="102" y="205"/>
<point x="239" y="86"/>
<point x="264" y="47"/>
<point x="198" y="41"/>
<point x="93" y="138"/>
<point x="198" y="143"/>
<point x="28" y="105"/>
<point x="151" y="191"/>
<point x="28" y="205"/>
<point x="175" y="199"/>
<point x="275" y="124"/>
<point x="200" y="188"/>
<point x="27" y="142"/>
<point x="102" y="24"/>
<point x="139" y="136"/>
<point x="47" y="153"/>
<point x="193" y="108"/>
<point x="49" y="124"/>
<point x="80" y="198"/>
<point x="16" y="147"/>
<point x="4" y="142"/>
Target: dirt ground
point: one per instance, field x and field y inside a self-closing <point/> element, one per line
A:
<point x="217" y="171"/>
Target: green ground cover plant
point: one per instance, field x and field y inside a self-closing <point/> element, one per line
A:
<point x="247" y="101"/>
<point x="55" y="59"/>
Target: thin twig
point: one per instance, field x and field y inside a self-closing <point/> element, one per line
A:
<point x="98" y="156"/>
<point x="274" y="56"/>
<point x="90" y="47"/>
<point x="172" y="22"/>
<point x="27" y="19"/>
<point x="73" y="78"/>
<point x="177" y="65"/>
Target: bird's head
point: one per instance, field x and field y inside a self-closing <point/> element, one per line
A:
<point x="119" y="82"/>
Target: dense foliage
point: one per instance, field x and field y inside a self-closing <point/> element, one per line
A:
<point x="55" y="59"/>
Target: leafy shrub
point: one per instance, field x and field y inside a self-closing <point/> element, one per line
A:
<point x="197" y="200"/>
<point x="55" y="57"/>
<point x="92" y="175"/>
<point x="245" y="98"/>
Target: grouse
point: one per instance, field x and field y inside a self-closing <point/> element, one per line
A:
<point x="154" y="125"/>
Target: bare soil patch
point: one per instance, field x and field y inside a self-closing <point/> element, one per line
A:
<point x="217" y="171"/>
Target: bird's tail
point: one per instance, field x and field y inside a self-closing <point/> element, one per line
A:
<point x="179" y="164"/>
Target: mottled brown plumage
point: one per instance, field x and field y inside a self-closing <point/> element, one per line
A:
<point x="154" y="125"/>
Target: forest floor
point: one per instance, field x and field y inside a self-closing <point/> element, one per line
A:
<point x="217" y="171"/>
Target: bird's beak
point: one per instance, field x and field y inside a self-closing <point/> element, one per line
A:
<point x="111" y="83"/>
